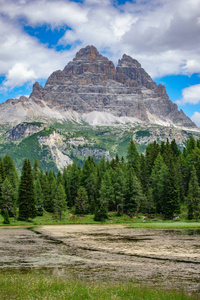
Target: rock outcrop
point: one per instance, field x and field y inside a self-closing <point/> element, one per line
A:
<point x="22" y="131"/>
<point x="90" y="84"/>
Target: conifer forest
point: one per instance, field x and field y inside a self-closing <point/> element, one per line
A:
<point x="160" y="181"/>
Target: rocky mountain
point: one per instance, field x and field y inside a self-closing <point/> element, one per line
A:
<point x="90" y="108"/>
<point x="92" y="90"/>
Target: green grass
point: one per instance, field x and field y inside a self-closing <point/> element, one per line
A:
<point x="50" y="219"/>
<point x="167" y="225"/>
<point x="35" y="285"/>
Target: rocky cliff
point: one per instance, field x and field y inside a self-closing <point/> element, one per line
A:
<point x="91" y="89"/>
<point x="23" y="130"/>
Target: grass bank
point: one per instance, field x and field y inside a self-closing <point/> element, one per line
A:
<point x="139" y="222"/>
<point x="35" y="285"/>
<point x="167" y="225"/>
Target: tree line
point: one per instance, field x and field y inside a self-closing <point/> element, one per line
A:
<point x="160" y="181"/>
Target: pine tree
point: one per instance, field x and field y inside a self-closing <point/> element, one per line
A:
<point x="59" y="178"/>
<point x="172" y="201"/>
<point x="44" y="187"/>
<point x="74" y="183"/>
<point x="7" y="199"/>
<point x="39" y="198"/>
<point x="60" y="200"/>
<point x="2" y="171"/>
<point x="134" y="196"/>
<point x="102" y="168"/>
<point x="10" y="172"/>
<point x="81" y="201"/>
<point x="101" y="213"/>
<point x="152" y="151"/>
<point x="191" y="145"/>
<point x="6" y="217"/>
<point x="107" y="191"/>
<point x="26" y="199"/>
<point x="91" y="188"/>
<point x="133" y="158"/>
<point x="144" y="176"/>
<point x="119" y="189"/>
<point x="36" y="169"/>
<point x="193" y="197"/>
<point x="50" y="191"/>
<point x="158" y="183"/>
<point x="174" y="147"/>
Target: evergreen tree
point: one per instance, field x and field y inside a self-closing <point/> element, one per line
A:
<point x="144" y="176"/>
<point x="107" y="191"/>
<point x="38" y="197"/>
<point x="26" y="200"/>
<point x="44" y="188"/>
<point x="134" y="196"/>
<point x="181" y="177"/>
<point x="81" y="201"/>
<point x="101" y="213"/>
<point x="191" y="145"/>
<point x="7" y="199"/>
<point x="91" y="188"/>
<point x="174" y="148"/>
<point x="50" y="192"/>
<point x="119" y="189"/>
<point x="85" y="172"/>
<point x="152" y="151"/>
<point x="133" y="158"/>
<point x="193" y="197"/>
<point x="6" y="217"/>
<point x="172" y="201"/>
<point x="11" y="173"/>
<point x="59" y="178"/>
<point x="158" y="183"/>
<point x="36" y="169"/>
<point x="74" y="183"/>
<point x="2" y="172"/>
<point x="150" y="207"/>
<point x="60" y="200"/>
<point x="101" y="168"/>
<point x="67" y="183"/>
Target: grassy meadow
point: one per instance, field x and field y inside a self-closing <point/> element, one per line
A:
<point x="133" y="222"/>
<point x="36" y="285"/>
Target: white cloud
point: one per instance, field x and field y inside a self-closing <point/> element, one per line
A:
<point x="38" y="12"/>
<point x="18" y="75"/>
<point x="191" y="95"/>
<point x="196" y="118"/>
<point x="24" y="59"/>
<point x="162" y="35"/>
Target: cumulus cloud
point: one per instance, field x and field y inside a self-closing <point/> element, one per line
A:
<point x="196" y="118"/>
<point x="162" y="35"/>
<point x="38" y="12"/>
<point x="19" y="74"/>
<point x="24" y="59"/>
<point x="191" y="95"/>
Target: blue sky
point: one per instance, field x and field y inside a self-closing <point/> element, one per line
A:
<point x="38" y="37"/>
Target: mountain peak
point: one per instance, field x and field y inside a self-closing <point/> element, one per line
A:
<point x="128" y="61"/>
<point x="88" y="53"/>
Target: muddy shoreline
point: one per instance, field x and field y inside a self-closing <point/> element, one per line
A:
<point x="161" y="258"/>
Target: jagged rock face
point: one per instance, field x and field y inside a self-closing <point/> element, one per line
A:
<point x="91" y="83"/>
<point x="23" y="130"/>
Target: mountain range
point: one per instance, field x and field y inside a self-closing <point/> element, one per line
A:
<point x="91" y="107"/>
